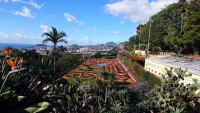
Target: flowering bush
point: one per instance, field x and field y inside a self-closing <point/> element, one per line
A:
<point x="136" y="58"/>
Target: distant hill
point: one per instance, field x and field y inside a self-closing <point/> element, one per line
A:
<point x="74" y="47"/>
<point x="40" y="45"/>
<point x="110" y="43"/>
<point x="107" y="44"/>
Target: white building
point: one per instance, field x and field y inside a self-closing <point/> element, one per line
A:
<point x="157" y="66"/>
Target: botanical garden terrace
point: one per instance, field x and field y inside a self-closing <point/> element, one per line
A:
<point x="157" y="66"/>
<point x="91" y="70"/>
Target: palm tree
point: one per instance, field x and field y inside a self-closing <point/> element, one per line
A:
<point x="55" y="37"/>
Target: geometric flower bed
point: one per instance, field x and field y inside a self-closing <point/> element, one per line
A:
<point x="90" y="69"/>
<point x="121" y="76"/>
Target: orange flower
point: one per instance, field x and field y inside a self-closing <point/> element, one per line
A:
<point x="12" y="63"/>
<point x="4" y="51"/>
<point x="7" y="51"/>
<point x="21" y="60"/>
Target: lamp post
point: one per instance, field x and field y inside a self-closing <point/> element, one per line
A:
<point x="149" y="34"/>
<point x="139" y="37"/>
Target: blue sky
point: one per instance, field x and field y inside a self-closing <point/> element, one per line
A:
<point x="85" y="22"/>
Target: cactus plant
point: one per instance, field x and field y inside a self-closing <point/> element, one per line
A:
<point x="173" y="96"/>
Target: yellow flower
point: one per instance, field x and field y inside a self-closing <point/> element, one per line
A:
<point x="12" y="63"/>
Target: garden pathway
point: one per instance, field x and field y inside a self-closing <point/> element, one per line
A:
<point x="127" y="70"/>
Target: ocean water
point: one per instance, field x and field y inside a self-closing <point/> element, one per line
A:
<point x="17" y="46"/>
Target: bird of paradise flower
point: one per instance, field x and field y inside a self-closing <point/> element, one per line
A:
<point x="15" y="64"/>
<point x="7" y="52"/>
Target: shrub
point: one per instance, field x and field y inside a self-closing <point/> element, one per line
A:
<point x="140" y="72"/>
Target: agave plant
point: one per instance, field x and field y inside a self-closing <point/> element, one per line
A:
<point x="43" y="68"/>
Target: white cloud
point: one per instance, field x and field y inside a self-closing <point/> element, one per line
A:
<point x="76" y="30"/>
<point x="20" y="38"/>
<point x="122" y="22"/>
<point x="1" y="9"/>
<point x="94" y="27"/>
<point x="114" y="32"/>
<point x="45" y="28"/>
<point x="86" y="39"/>
<point x="30" y="2"/>
<point x="136" y="10"/>
<point x="34" y="4"/>
<point x="80" y="23"/>
<point x="11" y="37"/>
<point x="25" y="13"/>
<point x="71" y="18"/>
<point x="18" y="35"/>
<point x="3" y="35"/>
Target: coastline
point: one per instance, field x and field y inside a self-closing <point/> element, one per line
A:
<point x="13" y="45"/>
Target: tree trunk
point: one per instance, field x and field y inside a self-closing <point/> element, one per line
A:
<point x="54" y="57"/>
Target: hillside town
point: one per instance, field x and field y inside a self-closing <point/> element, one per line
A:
<point x="75" y="49"/>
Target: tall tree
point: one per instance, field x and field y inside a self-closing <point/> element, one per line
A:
<point x="191" y="27"/>
<point x="55" y="37"/>
<point x="175" y="28"/>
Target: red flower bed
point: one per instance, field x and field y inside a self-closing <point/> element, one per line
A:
<point x="137" y="58"/>
<point x="90" y="69"/>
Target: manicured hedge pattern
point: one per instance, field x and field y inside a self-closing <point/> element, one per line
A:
<point x="89" y="69"/>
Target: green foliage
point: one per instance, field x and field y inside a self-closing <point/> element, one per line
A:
<point x="20" y="89"/>
<point x="173" y="96"/>
<point x="36" y="90"/>
<point x="61" y="50"/>
<point x="69" y="69"/>
<point x="30" y="56"/>
<point x="44" y="65"/>
<point x="142" y="46"/>
<point x="54" y="36"/>
<point x="175" y="28"/>
<point x="98" y="53"/>
<point x="126" y="61"/>
<point x="67" y="61"/>
<point x="36" y="108"/>
<point x="136" y="54"/>
<point x="140" y="72"/>
<point x="111" y="57"/>
<point x="43" y="68"/>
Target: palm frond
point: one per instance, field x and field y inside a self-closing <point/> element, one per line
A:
<point x="63" y="40"/>
<point x="47" y="40"/>
<point x="54" y="29"/>
<point x="47" y="34"/>
<point x="62" y="34"/>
